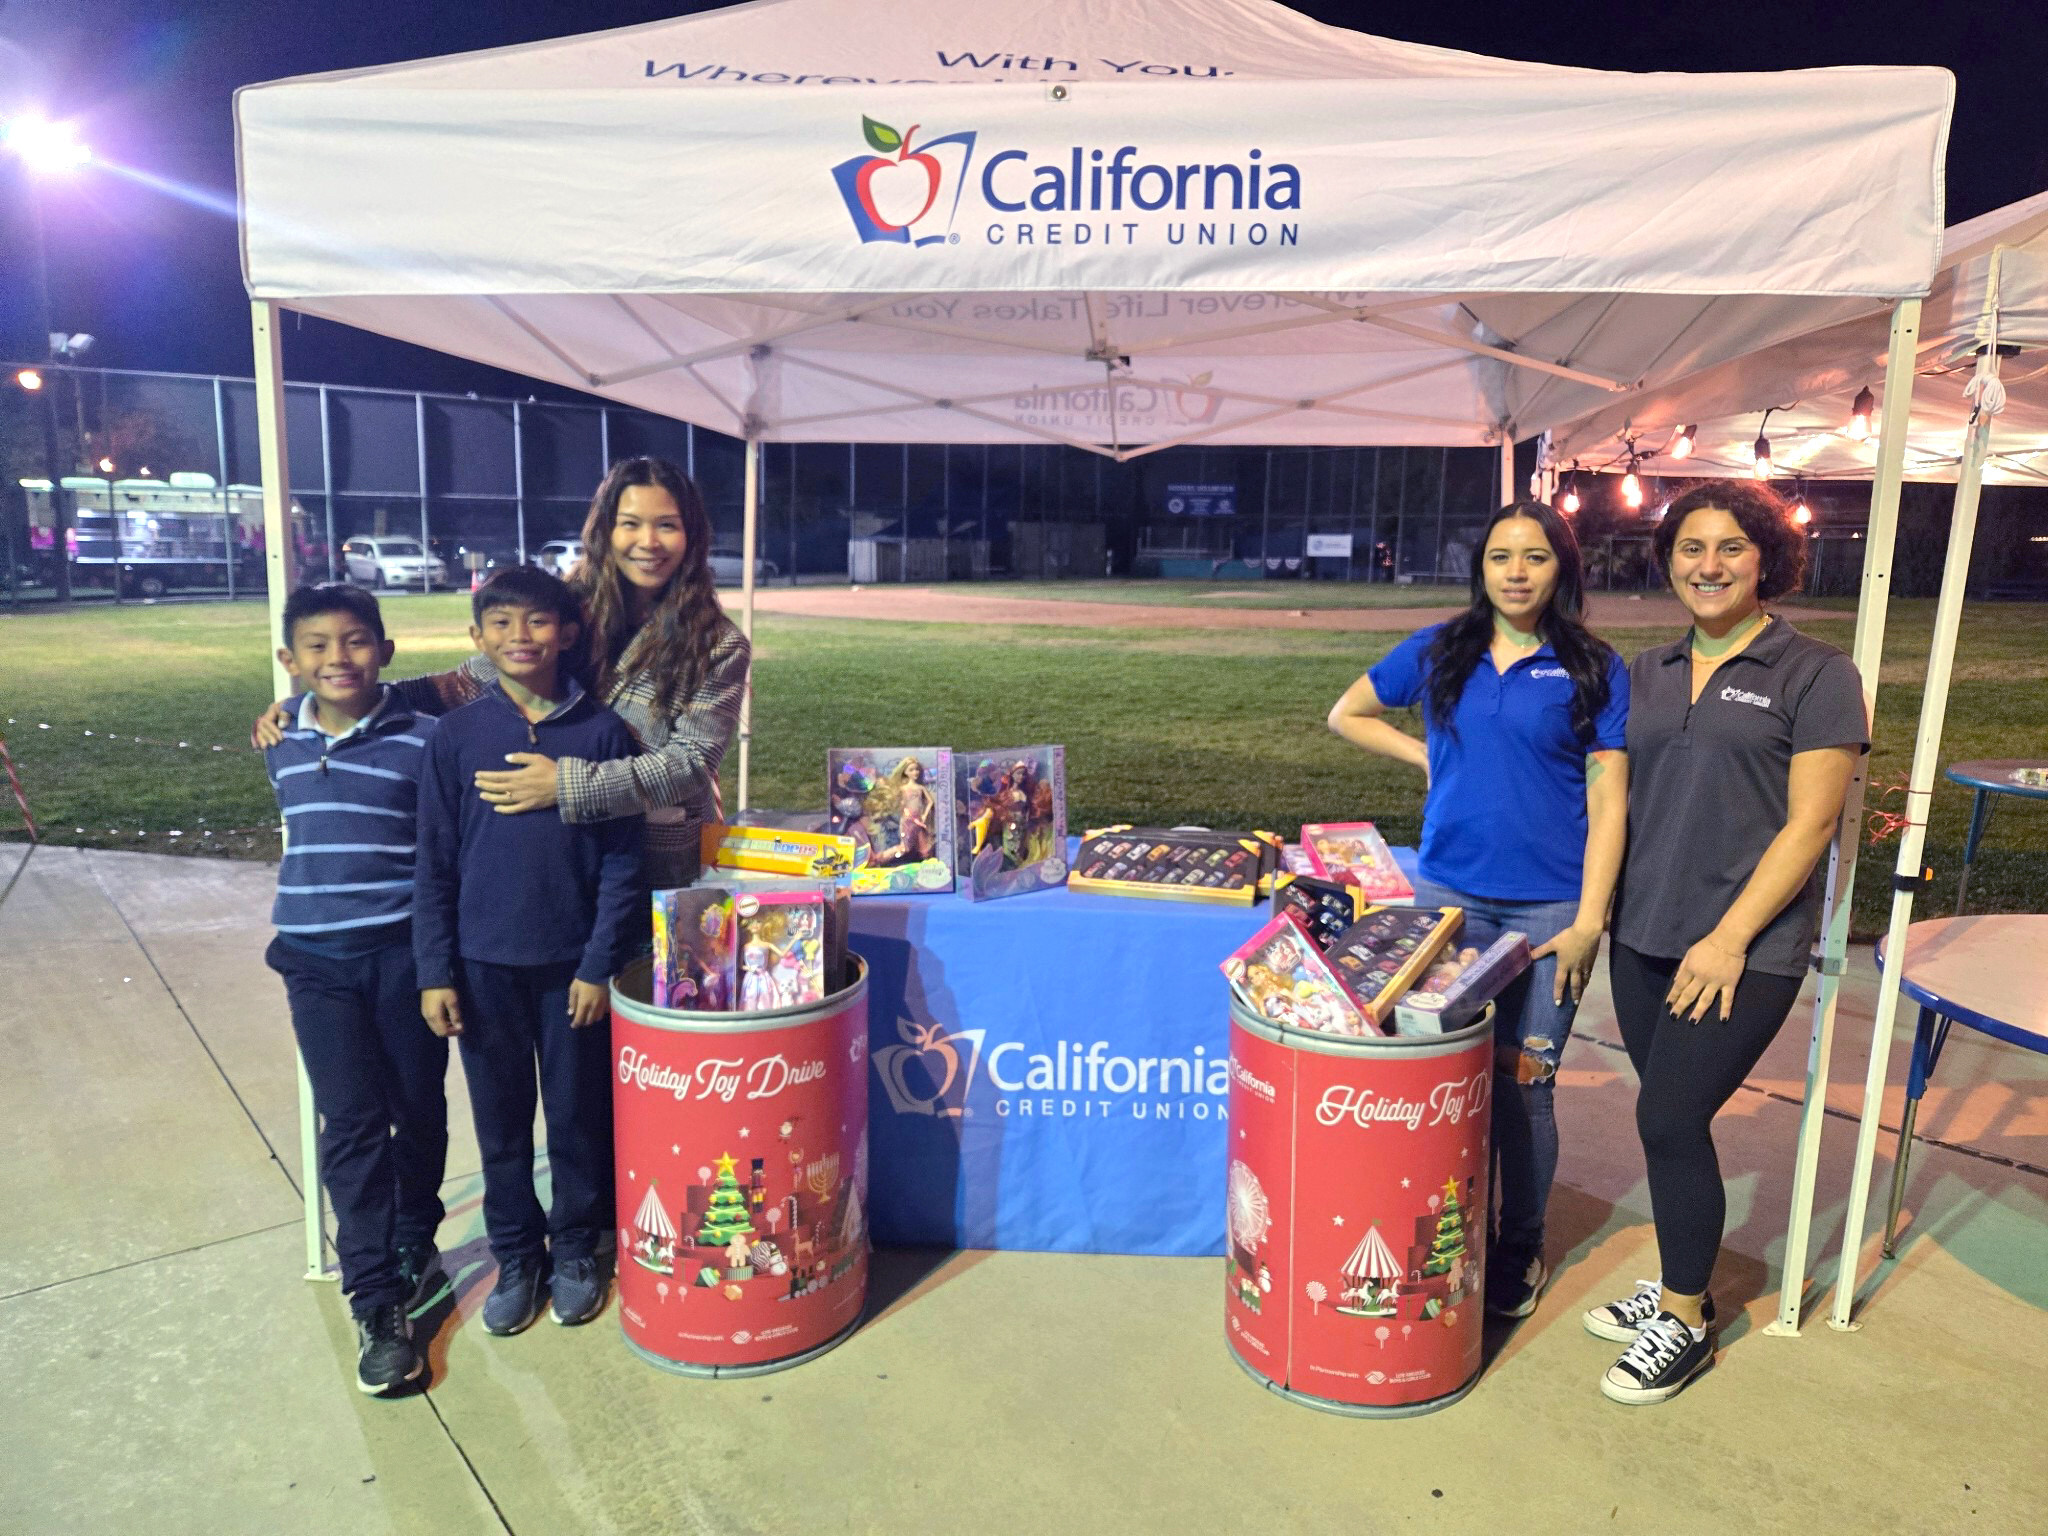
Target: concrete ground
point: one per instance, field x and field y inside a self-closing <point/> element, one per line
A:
<point x="164" y="1367"/>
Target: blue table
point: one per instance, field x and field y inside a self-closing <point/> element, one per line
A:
<point x="1988" y="777"/>
<point x="1049" y="1072"/>
<point x="1987" y="973"/>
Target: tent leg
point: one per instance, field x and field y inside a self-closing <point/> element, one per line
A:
<point x="280" y="571"/>
<point x="1507" y="467"/>
<point x="749" y="537"/>
<point x="1868" y="651"/>
<point x="1948" y="618"/>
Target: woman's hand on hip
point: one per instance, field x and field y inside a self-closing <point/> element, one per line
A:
<point x="1575" y="949"/>
<point x="528" y="787"/>
<point x="1707" y="973"/>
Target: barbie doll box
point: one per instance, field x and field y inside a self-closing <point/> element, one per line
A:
<point x="1010" y="816"/>
<point x="1280" y="975"/>
<point x="778" y="948"/>
<point x="1452" y="992"/>
<point x="1354" y="851"/>
<point x="895" y="803"/>
<point x="693" y="955"/>
<point x="1379" y="959"/>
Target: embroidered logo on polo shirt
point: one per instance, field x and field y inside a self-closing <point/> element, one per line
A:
<point x="1548" y="672"/>
<point x="1734" y="695"/>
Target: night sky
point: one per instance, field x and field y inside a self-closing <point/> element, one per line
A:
<point x="156" y="280"/>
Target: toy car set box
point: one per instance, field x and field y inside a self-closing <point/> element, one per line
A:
<point x="1175" y="864"/>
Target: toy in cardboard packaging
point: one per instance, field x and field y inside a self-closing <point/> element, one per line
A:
<point x="894" y="802"/>
<point x="1011" y="820"/>
<point x="768" y="850"/>
<point x="1379" y="959"/>
<point x="693" y="949"/>
<point x="1175" y="864"/>
<point x="833" y="899"/>
<point x="1354" y="851"/>
<point x="1454" y="989"/>
<point x="779" y="942"/>
<point x="1324" y="907"/>
<point x="1279" y="975"/>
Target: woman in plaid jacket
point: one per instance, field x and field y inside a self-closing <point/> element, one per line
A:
<point x="659" y="650"/>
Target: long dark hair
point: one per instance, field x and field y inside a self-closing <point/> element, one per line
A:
<point x="674" y="643"/>
<point x="1464" y="641"/>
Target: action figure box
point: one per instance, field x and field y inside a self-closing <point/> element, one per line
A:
<point x="1175" y="864"/>
<point x="1354" y="851"/>
<point x="766" y="850"/>
<point x="833" y="897"/>
<point x="779" y="945"/>
<point x="1010" y="815"/>
<point x="1379" y="959"/>
<point x="1454" y="990"/>
<point x="895" y="803"/>
<point x="693" y="949"/>
<point x="1324" y="907"/>
<point x="1281" y="976"/>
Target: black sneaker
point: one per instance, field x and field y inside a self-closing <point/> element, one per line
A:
<point x="1622" y="1320"/>
<point x="1517" y="1291"/>
<point x="516" y="1300"/>
<point x="578" y="1289"/>
<point x="385" y="1358"/>
<point x="1665" y="1356"/>
<point x="419" y="1271"/>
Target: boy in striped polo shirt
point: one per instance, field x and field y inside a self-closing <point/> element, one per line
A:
<point x="347" y="779"/>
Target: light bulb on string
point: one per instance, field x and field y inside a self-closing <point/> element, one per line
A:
<point x="1761" y="468"/>
<point x="1631" y="488"/>
<point x="1802" y="514"/>
<point x="1569" y="502"/>
<point x="1682" y="444"/>
<point x="1859" y="415"/>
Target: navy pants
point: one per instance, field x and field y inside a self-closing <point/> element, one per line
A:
<point x="379" y="1077"/>
<point x="512" y="1017"/>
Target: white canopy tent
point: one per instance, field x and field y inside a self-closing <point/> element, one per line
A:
<point x="1969" y="425"/>
<point x="1116" y="224"/>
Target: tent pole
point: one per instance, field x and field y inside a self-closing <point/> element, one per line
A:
<point x="1507" y="466"/>
<point x="279" y="574"/>
<point x="1948" y="618"/>
<point x="1868" y="653"/>
<point x="750" y="532"/>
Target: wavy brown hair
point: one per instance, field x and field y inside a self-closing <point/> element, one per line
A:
<point x="674" y="642"/>
<point x="1761" y="513"/>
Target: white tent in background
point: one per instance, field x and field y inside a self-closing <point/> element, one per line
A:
<point x="1810" y="385"/>
<point x="1118" y="224"/>
<point x="1969" y="425"/>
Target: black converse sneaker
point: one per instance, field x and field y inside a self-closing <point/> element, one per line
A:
<point x="1517" y="1291"/>
<point x="385" y="1358"/>
<point x="1622" y="1320"/>
<point x="1665" y="1356"/>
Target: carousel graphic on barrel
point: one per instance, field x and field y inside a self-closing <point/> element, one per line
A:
<point x="1250" y="1220"/>
<point x="728" y="1232"/>
<point x="1438" y="1271"/>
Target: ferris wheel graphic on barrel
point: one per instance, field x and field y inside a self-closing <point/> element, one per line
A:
<point x="1251" y="1218"/>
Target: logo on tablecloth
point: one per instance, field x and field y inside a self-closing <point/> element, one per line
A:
<point x="931" y="1071"/>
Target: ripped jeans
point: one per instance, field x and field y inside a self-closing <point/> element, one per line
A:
<point x="1529" y="1032"/>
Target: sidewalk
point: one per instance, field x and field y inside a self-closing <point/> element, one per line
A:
<point x="163" y="1365"/>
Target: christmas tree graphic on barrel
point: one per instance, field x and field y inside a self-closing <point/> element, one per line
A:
<point x="727" y="1217"/>
<point x="1448" y="1246"/>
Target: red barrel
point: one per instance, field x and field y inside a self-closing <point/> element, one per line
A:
<point x="1356" y="1226"/>
<point x="742" y="1146"/>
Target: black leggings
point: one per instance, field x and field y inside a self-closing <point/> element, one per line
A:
<point x="1688" y="1071"/>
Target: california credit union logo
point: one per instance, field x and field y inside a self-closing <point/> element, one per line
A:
<point x="905" y="192"/>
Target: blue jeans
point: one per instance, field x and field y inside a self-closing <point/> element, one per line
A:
<point x="1529" y="1031"/>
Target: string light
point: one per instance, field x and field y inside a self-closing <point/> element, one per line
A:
<point x="1859" y="415"/>
<point x="1760" y="466"/>
<point x="1682" y="444"/>
<point x="1569" y="502"/>
<point x="30" y="379"/>
<point x="1802" y="514"/>
<point x="1631" y="487"/>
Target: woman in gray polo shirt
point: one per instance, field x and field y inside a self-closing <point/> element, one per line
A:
<point x="1742" y="738"/>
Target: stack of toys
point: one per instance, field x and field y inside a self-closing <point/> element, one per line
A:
<point x="1176" y="864"/>
<point x="1379" y="959"/>
<point x="1281" y="976"/>
<point x="1354" y="852"/>
<point x="1455" y="989"/>
<point x="748" y="947"/>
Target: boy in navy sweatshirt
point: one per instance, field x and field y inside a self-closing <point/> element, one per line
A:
<point x="346" y="776"/>
<point x="519" y="922"/>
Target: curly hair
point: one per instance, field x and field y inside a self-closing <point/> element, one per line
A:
<point x="674" y="643"/>
<point x="1761" y="514"/>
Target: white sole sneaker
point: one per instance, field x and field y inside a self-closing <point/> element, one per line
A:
<point x="1619" y="1388"/>
<point x="1595" y="1321"/>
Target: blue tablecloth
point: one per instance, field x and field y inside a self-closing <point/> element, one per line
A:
<point x="1049" y="1071"/>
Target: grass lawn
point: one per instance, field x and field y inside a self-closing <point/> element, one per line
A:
<point x="1219" y="727"/>
<point x="1290" y="593"/>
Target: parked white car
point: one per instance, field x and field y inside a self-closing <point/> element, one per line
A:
<point x="560" y="557"/>
<point x="728" y="566"/>
<point x="390" y="561"/>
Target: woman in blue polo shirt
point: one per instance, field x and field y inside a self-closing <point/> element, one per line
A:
<point x="1525" y="710"/>
<point x="1743" y="736"/>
